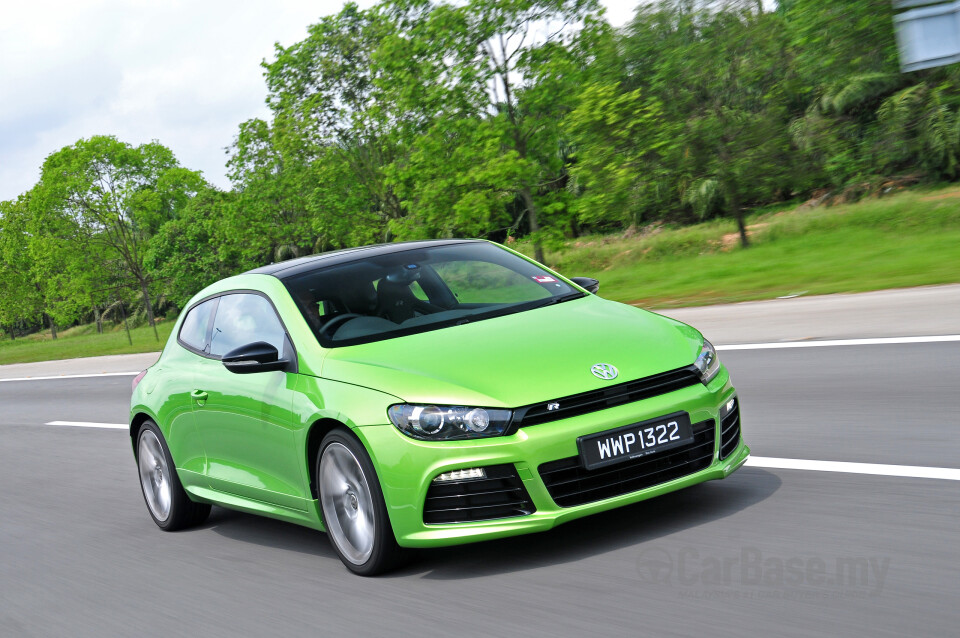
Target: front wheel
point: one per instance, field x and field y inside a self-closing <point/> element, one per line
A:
<point x="167" y="502"/>
<point x="354" y="511"/>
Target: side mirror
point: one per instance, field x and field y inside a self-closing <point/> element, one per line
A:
<point x="258" y="356"/>
<point x="588" y="283"/>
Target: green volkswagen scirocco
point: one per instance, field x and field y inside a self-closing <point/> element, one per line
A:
<point x="423" y="394"/>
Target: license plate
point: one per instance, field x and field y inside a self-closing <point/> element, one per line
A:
<point x="635" y="441"/>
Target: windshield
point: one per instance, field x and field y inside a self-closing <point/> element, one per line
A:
<point x="418" y="290"/>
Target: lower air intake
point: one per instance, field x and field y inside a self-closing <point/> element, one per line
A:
<point x="500" y="495"/>
<point x="730" y="431"/>
<point x="570" y="484"/>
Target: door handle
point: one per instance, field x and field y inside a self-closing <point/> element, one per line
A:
<point x="199" y="395"/>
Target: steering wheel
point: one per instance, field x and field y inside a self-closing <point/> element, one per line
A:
<point x="335" y="323"/>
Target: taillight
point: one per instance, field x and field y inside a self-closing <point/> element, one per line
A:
<point x="137" y="379"/>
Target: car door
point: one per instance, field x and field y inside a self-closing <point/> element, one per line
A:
<point x="177" y="373"/>
<point x="246" y="420"/>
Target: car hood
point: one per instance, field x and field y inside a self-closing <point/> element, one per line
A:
<point x="521" y="358"/>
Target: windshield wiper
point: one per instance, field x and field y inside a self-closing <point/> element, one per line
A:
<point x="555" y="300"/>
<point x="510" y="309"/>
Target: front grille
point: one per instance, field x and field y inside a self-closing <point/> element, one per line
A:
<point x="570" y="484"/>
<point x="730" y="431"/>
<point x="500" y="495"/>
<point x="586" y="402"/>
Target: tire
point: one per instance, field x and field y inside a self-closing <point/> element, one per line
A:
<point x="354" y="511"/>
<point x="167" y="502"/>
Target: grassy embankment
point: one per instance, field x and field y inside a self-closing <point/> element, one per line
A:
<point x="82" y="341"/>
<point x="908" y="239"/>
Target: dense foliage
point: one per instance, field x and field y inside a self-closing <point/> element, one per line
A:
<point x="489" y="118"/>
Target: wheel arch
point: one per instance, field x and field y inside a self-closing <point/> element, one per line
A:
<point x="135" y="424"/>
<point x="319" y="429"/>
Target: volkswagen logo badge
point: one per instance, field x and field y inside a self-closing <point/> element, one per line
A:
<point x="604" y="371"/>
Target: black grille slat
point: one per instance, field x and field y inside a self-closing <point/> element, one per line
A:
<point x="440" y="498"/>
<point x="728" y="425"/>
<point x="637" y="482"/>
<point x="468" y="515"/>
<point x="705" y="448"/>
<point x="609" y="397"/>
<point x="570" y="484"/>
<point x="471" y="508"/>
<point x="594" y="483"/>
<point x="578" y="404"/>
<point x="470" y="486"/>
<point x="500" y="495"/>
<point x="730" y="431"/>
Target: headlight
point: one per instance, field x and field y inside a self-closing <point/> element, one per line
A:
<point x="708" y="363"/>
<point x="444" y="423"/>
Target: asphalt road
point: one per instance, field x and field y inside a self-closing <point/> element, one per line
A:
<point x="764" y="552"/>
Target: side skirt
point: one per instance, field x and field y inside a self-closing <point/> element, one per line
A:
<point x="310" y="518"/>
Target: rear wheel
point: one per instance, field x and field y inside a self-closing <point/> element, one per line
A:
<point x="354" y="511"/>
<point x="167" y="502"/>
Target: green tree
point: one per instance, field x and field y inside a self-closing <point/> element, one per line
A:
<point x="722" y="75"/>
<point x="479" y="90"/>
<point x="622" y="142"/>
<point x="107" y="198"/>
<point x="328" y="116"/>
<point x="202" y="244"/>
<point x="20" y="299"/>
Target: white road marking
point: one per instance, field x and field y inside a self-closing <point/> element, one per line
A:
<point x="74" y="376"/>
<point x="908" y="471"/>
<point x="839" y="342"/>
<point x="86" y="424"/>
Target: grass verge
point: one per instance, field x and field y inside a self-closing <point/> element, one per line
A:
<point x="82" y="341"/>
<point x="909" y="239"/>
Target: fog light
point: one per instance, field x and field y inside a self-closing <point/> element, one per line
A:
<point x="730" y="404"/>
<point x="461" y="475"/>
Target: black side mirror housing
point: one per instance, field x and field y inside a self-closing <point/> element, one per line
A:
<point x="588" y="283"/>
<point x="258" y="356"/>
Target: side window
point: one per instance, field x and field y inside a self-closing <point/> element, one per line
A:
<point x="193" y="332"/>
<point x="243" y="319"/>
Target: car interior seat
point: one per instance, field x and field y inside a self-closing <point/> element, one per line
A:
<point x="395" y="299"/>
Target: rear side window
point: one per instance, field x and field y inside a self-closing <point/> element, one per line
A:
<point x="242" y="319"/>
<point x="193" y="332"/>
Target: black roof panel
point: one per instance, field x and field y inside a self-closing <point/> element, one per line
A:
<point x="291" y="267"/>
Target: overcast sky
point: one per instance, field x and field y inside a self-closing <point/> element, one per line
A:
<point x="185" y="73"/>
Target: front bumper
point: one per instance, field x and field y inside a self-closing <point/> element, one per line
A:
<point x="406" y="466"/>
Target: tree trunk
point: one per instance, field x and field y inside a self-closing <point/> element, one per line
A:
<point x="534" y="223"/>
<point x="98" y="318"/>
<point x="741" y="226"/>
<point x="53" y="326"/>
<point x="149" y="306"/>
<point x="126" y="325"/>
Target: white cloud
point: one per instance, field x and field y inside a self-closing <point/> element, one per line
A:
<point x="183" y="73"/>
